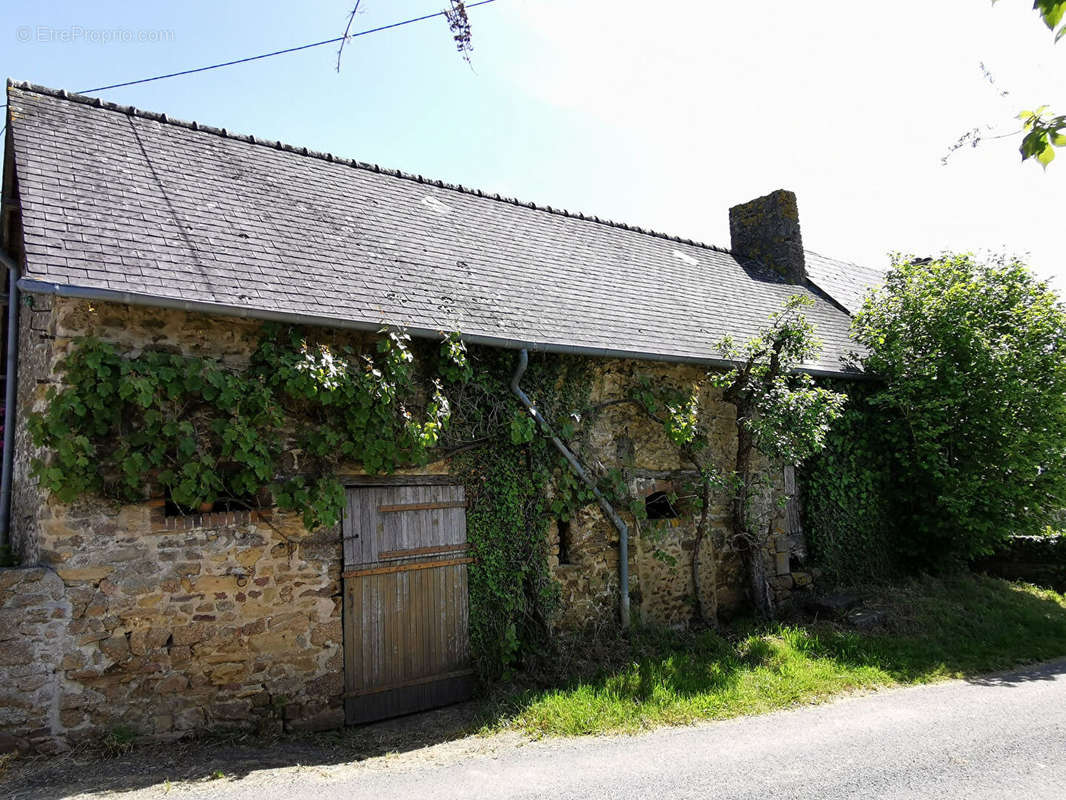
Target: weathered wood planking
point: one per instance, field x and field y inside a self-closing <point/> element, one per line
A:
<point x="406" y="600"/>
<point x="793" y="512"/>
<point x="423" y="506"/>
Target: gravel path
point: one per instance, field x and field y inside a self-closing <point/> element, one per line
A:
<point x="999" y="737"/>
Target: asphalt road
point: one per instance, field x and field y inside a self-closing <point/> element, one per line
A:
<point x="997" y="737"/>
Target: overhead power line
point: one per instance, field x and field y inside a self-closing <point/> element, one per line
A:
<point x="346" y="37"/>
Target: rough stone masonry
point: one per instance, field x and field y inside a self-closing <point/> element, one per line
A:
<point x="124" y="619"/>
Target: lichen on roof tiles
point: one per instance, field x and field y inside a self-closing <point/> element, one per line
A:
<point x="207" y="215"/>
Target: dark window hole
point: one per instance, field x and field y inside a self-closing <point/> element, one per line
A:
<point x="564" y="541"/>
<point x="658" y="506"/>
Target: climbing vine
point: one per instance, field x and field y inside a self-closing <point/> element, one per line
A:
<point x="280" y="428"/>
<point x="781" y="415"/>
<point x="126" y="425"/>
<point x="516" y="483"/>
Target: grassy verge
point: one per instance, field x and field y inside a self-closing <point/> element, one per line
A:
<point x="935" y="629"/>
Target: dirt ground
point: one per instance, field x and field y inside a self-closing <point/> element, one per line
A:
<point x="193" y="768"/>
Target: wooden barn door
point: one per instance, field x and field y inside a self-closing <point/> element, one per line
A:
<point x="406" y="645"/>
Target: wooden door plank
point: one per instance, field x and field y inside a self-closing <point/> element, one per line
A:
<point x="361" y="517"/>
<point x="459" y="673"/>
<point x="405" y="700"/>
<point x="352" y="639"/>
<point x="394" y="615"/>
<point x="460" y="604"/>
<point x="348" y="528"/>
<point x="366" y="661"/>
<point x="357" y="628"/>
<point x="435" y="649"/>
<point x="418" y="609"/>
<point x="396" y="524"/>
<point x="464" y="614"/>
<point x="413" y="552"/>
<point x="421" y="506"/>
<point x="453" y="603"/>
<point x="426" y="666"/>
<point x="410" y="566"/>
<point x="459" y="519"/>
<point x="381" y="622"/>
<point x="448" y="591"/>
<point x="374" y="670"/>
<point x="413" y="521"/>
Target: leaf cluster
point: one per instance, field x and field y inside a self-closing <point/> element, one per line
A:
<point x="1052" y="13"/>
<point x="196" y="431"/>
<point x="972" y="359"/>
<point x="786" y="414"/>
<point x="1044" y="132"/>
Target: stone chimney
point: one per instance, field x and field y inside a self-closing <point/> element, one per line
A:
<point x="767" y="230"/>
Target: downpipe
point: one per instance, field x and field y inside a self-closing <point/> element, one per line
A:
<point x="10" y="398"/>
<point x="575" y="465"/>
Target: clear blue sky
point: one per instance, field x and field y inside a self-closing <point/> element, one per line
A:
<point x="659" y="114"/>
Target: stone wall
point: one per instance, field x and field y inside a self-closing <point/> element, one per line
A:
<point x="34" y="618"/>
<point x="233" y="619"/>
<point x="661" y="590"/>
<point x="161" y="627"/>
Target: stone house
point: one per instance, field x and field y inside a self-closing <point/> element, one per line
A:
<point x="155" y="233"/>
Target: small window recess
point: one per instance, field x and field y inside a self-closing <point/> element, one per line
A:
<point x="658" y="506"/>
<point x="168" y="515"/>
<point x="563" y="526"/>
<point x="223" y="505"/>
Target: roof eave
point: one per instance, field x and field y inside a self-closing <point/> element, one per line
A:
<point x="297" y="318"/>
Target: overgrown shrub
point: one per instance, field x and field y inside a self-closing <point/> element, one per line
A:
<point x="970" y="404"/>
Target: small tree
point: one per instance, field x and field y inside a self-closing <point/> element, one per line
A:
<point x="782" y="416"/>
<point x="973" y="362"/>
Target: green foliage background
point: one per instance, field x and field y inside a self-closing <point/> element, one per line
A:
<point x="959" y="442"/>
<point x="972" y="357"/>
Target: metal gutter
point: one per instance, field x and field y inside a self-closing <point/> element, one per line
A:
<point x="10" y="398"/>
<point x="298" y="318"/>
<point x="575" y="465"/>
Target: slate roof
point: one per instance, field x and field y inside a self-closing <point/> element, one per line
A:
<point x="117" y="200"/>
<point x="845" y="282"/>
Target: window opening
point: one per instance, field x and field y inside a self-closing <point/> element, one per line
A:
<point x="658" y="506"/>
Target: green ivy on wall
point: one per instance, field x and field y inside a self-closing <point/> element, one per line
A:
<point x="516" y="483"/>
<point x="848" y="495"/>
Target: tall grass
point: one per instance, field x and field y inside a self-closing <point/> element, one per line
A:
<point x="935" y="629"/>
